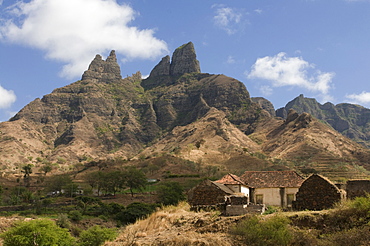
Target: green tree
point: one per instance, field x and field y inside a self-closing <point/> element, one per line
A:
<point x="113" y="182"/>
<point x="41" y="232"/>
<point x="134" y="211"/>
<point x="58" y="183"/>
<point x="27" y="170"/>
<point x="96" y="236"/>
<point x="46" y="168"/>
<point x="134" y="179"/>
<point x="170" y="193"/>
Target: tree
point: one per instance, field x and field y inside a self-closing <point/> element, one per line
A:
<point x="134" y="211"/>
<point x="113" y="182"/>
<point x="46" y="168"/>
<point x="57" y="183"/>
<point x="96" y="236"/>
<point x="37" y="232"/>
<point x="27" y="170"/>
<point x="135" y="179"/>
<point x="170" y="193"/>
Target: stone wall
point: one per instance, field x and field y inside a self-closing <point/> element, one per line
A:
<point x="317" y="193"/>
<point x="356" y="188"/>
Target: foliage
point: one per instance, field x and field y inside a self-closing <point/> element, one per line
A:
<point x="46" y="168"/>
<point x="63" y="221"/>
<point x="170" y="193"/>
<point x="75" y="215"/>
<point x="96" y="235"/>
<point x="135" y="179"/>
<point x="57" y="183"/>
<point x="256" y="230"/>
<point x="135" y="211"/>
<point x="37" y="232"/>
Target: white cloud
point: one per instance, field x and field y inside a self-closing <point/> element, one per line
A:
<point x="230" y="60"/>
<point x="362" y="98"/>
<point x="228" y="19"/>
<point x="258" y="11"/>
<point x="73" y="31"/>
<point x="281" y="71"/>
<point x="7" y="98"/>
<point x="266" y="90"/>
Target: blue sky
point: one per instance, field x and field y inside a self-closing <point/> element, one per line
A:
<point x="278" y="49"/>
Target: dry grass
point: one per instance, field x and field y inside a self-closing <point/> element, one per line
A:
<point x="178" y="226"/>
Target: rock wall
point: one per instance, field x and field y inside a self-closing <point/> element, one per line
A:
<point x="356" y="188"/>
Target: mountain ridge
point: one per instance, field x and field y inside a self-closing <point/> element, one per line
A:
<point x="201" y="117"/>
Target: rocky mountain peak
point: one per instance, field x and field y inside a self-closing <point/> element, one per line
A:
<point x="103" y="70"/>
<point x="183" y="61"/>
<point x="162" y="68"/>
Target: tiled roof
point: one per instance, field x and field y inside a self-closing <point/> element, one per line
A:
<point x="272" y="179"/>
<point x="230" y="179"/>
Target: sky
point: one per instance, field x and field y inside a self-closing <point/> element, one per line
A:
<point x="278" y="49"/>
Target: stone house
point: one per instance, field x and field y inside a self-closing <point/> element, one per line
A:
<point x="229" y="194"/>
<point x="207" y="194"/>
<point x="317" y="193"/>
<point x="274" y="188"/>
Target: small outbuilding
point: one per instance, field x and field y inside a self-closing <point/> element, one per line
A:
<point x="317" y="193"/>
<point x="208" y="193"/>
<point x="357" y="188"/>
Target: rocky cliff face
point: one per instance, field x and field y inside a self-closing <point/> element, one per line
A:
<point x="351" y="120"/>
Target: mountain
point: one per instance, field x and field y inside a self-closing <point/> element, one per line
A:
<point x="178" y="110"/>
<point x="351" y="120"/>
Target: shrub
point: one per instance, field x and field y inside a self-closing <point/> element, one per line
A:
<point x="37" y="232"/>
<point x="75" y="215"/>
<point x="267" y="231"/>
<point x="63" y="221"/>
<point x="170" y="193"/>
<point x="95" y="236"/>
<point x="135" y="211"/>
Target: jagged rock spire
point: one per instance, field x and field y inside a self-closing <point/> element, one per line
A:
<point x="104" y="71"/>
<point x="162" y="68"/>
<point x="183" y="61"/>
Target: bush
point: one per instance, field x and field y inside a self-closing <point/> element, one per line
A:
<point x="75" y="215"/>
<point x="170" y="193"/>
<point x="63" y="221"/>
<point x="37" y="232"/>
<point x="260" y="231"/>
<point x="95" y="236"/>
<point x="135" y="211"/>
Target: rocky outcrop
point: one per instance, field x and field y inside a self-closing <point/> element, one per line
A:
<point x="184" y="60"/>
<point x="162" y="69"/>
<point x="106" y="71"/>
<point x="265" y="104"/>
<point x="166" y="72"/>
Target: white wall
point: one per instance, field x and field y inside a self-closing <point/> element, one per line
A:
<point x="272" y="196"/>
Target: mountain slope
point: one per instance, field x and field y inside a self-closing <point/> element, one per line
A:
<point x="351" y="120"/>
<point x="210" y="119"/>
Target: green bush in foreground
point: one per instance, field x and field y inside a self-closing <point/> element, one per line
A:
<point x="96" y="236"/>
<point x="258" y="231"/>
<point x="39" y="232"/>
